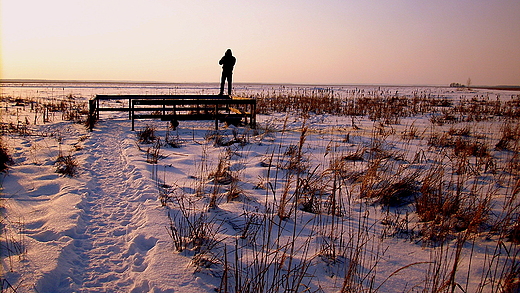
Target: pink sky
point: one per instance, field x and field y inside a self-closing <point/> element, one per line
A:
<point x="325" y="42"/>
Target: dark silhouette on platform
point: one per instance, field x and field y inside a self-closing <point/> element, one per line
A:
<point x="228" y="62"/>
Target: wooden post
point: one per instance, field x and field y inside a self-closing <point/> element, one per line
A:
<point x="249" y="109"/>
<point x="164" y="108"/>
<point x="253" y="115"/>
<point x="97" y="108"/>
<point x="216" y="116"/>
<point x="91" y="114"/>
<point x="132" y="113"/>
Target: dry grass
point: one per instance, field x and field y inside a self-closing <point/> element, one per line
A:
<point x="67" y="165"/>
<point x="5" y="157"/>
<point x="146" y="135"/>
<point x="428" y="199"/>
<point x="510" y="135"/>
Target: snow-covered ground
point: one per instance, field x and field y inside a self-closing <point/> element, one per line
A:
<point x="285" y="207"/>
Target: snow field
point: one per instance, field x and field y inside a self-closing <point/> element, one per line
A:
<point x="287" y="209"/>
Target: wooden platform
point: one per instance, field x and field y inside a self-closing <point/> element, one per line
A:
<point x="176" y="108"/>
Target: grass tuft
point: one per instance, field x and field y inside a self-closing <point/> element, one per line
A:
<point x="5" y="157"/>
<point x="67" y="165"/>
<point x="147" y="135"/>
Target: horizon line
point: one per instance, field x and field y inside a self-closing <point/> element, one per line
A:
<point x="29" y="80"/>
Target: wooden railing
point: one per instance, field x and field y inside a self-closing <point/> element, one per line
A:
<point x="176" y="108"/>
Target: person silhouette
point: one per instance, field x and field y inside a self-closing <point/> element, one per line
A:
<point x="228" y="62"/>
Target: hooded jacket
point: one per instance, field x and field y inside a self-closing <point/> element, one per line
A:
<point x="228" y="61"/>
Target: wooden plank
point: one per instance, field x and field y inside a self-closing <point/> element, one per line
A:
<point x="168" y="109"/>
<point x="114" y="109"/>
<point x="194" y="102"/>
<point x="170" y="97"/>
<point x="239" y="111"/>
<point x="184" y="117"/>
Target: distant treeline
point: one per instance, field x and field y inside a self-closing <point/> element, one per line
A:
<point x="498" y="87"/>
<point x="456" y="84"/>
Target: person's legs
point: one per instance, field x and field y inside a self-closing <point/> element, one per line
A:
<point x="222" y="81"/>
<point x="229" y="82"/>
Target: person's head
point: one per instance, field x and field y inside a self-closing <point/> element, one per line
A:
<point x="228" y="52"/>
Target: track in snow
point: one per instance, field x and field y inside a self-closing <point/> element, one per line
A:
<point x="110" y="252"/>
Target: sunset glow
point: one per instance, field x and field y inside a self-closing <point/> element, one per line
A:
<point x="323" y="42"/>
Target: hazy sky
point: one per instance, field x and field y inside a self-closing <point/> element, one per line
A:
<point x="322" y="41"/>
